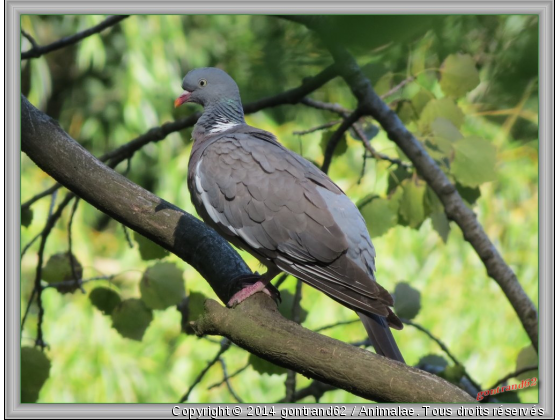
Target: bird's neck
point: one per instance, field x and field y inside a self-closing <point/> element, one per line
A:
<point x="220" y="116"/>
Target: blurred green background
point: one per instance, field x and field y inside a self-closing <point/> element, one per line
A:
<point x="114" y="86"/>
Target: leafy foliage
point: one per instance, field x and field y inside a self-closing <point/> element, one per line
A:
<point x="104" y="299"/>
<point x="264" y="366"/>
<point x="148" y="249"/>
<point x="59" y="269"/>
<point x="35" y="367"/>
<point x="407" y="301"/>
<point x="162" y="286"/>
<point x="131" y="318"/>
<point x="117" y="85"/>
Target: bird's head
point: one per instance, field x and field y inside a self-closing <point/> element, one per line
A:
<point x="206" y="86"/>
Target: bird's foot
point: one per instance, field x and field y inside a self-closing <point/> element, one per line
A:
<point x="251" y="284"/>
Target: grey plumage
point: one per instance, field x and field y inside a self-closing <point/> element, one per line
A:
<point x="280" y="207"/>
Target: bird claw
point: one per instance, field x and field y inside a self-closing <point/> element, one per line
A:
<point x="248" y="285"/>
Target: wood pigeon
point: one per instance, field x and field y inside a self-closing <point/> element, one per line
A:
<point x="280" y="208"/>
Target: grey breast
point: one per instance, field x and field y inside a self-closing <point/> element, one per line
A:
<point x="285" y="211"/>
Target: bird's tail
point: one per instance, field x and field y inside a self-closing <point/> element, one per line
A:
<point x="380" y="336"/>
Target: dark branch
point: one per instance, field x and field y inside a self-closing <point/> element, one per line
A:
<point x="337" y="136"/>
<point x="514" y="374"/>
<point x="228" y="384"/>
<point x="224" y="346"/>
<point x="455" y="208"/>
<point x="337" y="109"/>
<point x="37" y="51"/>
<point x="442" y="346"/>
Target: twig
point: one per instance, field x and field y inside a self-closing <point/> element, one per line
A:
<point x="296" y="312"/>
<point x="78" y="282"/>
<point x="442" y="345"/>
<point x="397" y="87"/>
<point x="34" y="292"/>
<point x="127" y="237"/>
<point x="70" y="253"/>
<point x="316" y="389"/>
<point x="42" y="194"/>
<point x="37" y="51"/>
<point x="48" y="227"/>
<point x="318" y="128"/>
<point x="326" y="106"/>
<point x="337" y="135"/>
<point x="514" y="374"/>
<point x="234" y="374"/>
<point x="381" y="156"/>
<point x="224" y="346"/>
<point x="226" y="380"/>
<point x="356" y="128"/>
<point x="30" y="39"/>
<point x="338" y="324"/>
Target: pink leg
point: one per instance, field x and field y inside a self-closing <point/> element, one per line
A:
<point x="259" y="286"/>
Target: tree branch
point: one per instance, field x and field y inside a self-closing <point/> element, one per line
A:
<point x="455" y="208"/>
<point x="255" y="325"/>
<point x="37" y="51"/>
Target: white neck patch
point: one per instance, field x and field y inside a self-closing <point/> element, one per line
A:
<point x="222" y="125"/>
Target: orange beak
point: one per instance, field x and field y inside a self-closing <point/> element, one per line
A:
<point x="183" y="98"/>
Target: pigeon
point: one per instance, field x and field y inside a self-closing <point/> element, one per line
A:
<point x="282" y="209"/>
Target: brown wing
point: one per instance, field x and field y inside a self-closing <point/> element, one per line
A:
<point x="280" y="207"/>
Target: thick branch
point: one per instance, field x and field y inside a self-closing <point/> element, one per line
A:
<point x="37" y="51"/>
<point x="254" y="325"/>
<point x="455" y="208"/>
<point x="70" y="164"/>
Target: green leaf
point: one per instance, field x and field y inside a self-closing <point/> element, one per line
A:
<point x="444" y="108"/>
<point x="407" y="301"/>
<point x="341" y="146"/>
<point x="474" y="162"/>
<point x="286" y="305"/>
<point x="194" y="309"/>
<point x="445" y="129"/>
<point x="412" y="203"/>
<point x="453" y="373"/>
<point x="162" y="286"/>
<point x="384" y="83"/>
<point x="104" y="299"/>
<point x="434" y="208"/>
<point x="433" y="360"/>
<point x="264" y="366"/>
<point x="26" y="216"/>
<point x="440" y="223"/>
<point x="420" y="100"/>
<point x="458" y="75"/>
<point x="148" y="249"/>
<point x="406" y="112"/>
<point x="35" y="367"/>
<point x="380" y="216"/>
<point x="470" y="195"/>
<point x="432" y="203"/>
<point x="396" y="177"/>
<point x="370" y="131"/>
<point x="131" y="318"/>
<point x="527" y="357"/>
<point x="58" y="269"/>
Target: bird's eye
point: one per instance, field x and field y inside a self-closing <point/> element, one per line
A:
<point x="202" y="82"/>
